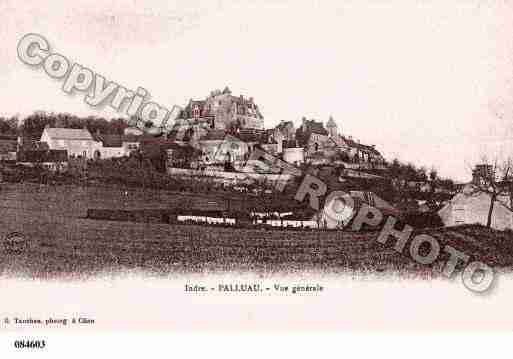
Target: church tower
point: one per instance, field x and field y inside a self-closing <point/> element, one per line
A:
<point x="332" y="127"/>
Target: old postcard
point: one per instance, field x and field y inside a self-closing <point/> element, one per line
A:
<point x="184" y="166"/>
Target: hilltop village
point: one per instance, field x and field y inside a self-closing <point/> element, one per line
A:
<point x="218" y="143"/>
<point x="206" y="123"/>
<point x="218" y="133"/>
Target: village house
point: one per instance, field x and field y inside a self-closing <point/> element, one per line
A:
<point x="323" y="145"/>
<point x="293" y="154"/>
<point x="218" y="148"/>
<point x="77" y="142"/>
<point x="116" y="145"/>
<point x="312" y="136"/>
<point x="472" y="206"/>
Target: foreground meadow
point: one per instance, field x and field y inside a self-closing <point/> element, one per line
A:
<point x="60" y="242"/>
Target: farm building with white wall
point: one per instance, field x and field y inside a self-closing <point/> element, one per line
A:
<point x="471" y="206"/>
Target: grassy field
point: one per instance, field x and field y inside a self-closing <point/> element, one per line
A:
<point x="61" y="242"/>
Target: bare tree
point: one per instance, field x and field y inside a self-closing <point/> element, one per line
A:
<point x="495" y="179"/>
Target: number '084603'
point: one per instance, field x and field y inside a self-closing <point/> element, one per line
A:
<point x="29" y="344"/>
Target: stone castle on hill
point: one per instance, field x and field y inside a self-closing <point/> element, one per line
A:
<point x="223" y="111"/>
<point x="206" y="123"/>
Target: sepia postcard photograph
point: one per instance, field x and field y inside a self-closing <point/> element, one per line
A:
<point x="233" y="166"/>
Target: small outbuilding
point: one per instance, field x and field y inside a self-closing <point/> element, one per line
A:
<point x="472" y="205"/>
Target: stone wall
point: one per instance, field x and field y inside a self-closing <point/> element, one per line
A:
<point x="229" y="177"/>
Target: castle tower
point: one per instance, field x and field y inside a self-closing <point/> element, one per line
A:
<point x="332" y="127"/>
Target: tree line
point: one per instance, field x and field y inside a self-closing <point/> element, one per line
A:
<point x="33" y="125"/>
<point x="408" y="172"/>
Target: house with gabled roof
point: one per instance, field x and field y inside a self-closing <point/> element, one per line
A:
<point x="78" y="142"/>
<point x="312" y="136"/>
<point x="472" y="206"/>
<point x="117" y="145"/>
<point x="360" y="152"/>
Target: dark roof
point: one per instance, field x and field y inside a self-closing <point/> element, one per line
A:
<point x="36" y="156"/>
<point x="149" y="140"/>
<point x="290" y="144"/>
<point x="372" y="150"/>
<point x="32" y="145"/>
<point x="253" y="135"/>
<point x="116" y="140"/>
<point x="109" y="140"/>
<point x="362" y="147"/>
<point x="153" y="145"/>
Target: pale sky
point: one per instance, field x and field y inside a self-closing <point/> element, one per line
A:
<point x="429" y="82"/>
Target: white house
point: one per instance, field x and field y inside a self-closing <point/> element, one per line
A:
<point x="117" y="145"/>
<point x="472" y="205"/>
<point x="78" y="142"/>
